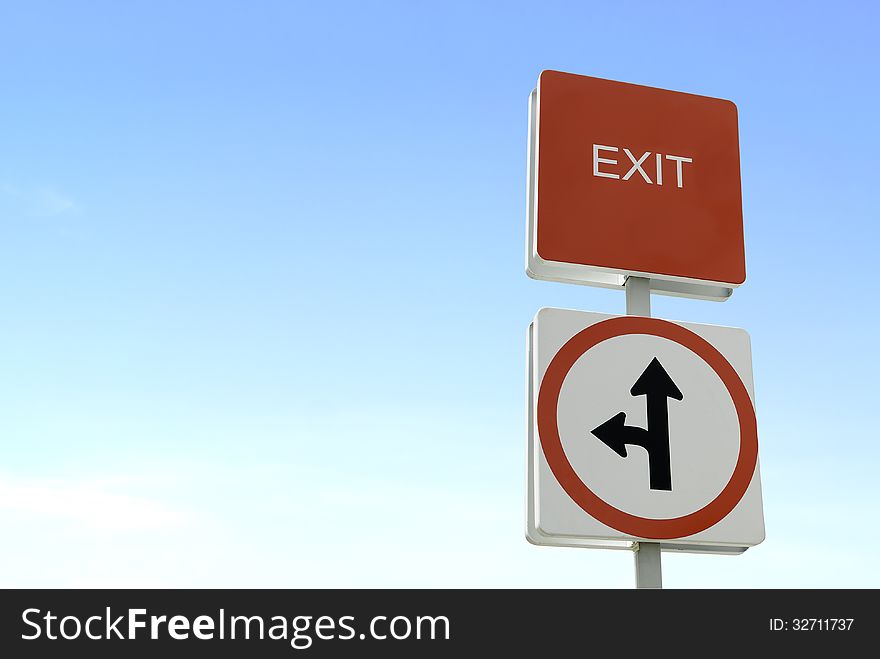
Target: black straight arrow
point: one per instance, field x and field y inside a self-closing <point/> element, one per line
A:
<point x="656" y="385"/>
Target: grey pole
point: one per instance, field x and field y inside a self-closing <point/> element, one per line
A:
<point x="638" y="296"/>
<point x="648" y="571"/>
<point x="647" y="554"/>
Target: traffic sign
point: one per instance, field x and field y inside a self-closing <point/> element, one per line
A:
<point x="633" y="180"/>
<point x="641" y="429"/>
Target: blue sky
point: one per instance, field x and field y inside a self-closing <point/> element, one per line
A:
<point x="263" y="300"/>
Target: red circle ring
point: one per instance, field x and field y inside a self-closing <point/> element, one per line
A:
<point x="645" y="527"/>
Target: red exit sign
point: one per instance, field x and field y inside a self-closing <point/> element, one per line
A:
<point x="632" y="180"/>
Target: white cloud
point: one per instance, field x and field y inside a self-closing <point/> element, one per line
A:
<point x="93" y="503"/>
<point x="37" y="201"/>
<point x="50" y="202"/>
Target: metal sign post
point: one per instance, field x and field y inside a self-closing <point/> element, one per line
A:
<point x="647" y="554"/>
<point x="638" y="296"/>
<point x="648" y="572"/>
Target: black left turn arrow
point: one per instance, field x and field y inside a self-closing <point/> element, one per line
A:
<point x="656" y="385"/>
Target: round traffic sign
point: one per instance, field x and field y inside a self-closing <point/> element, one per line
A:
<point x="624" y="522"/>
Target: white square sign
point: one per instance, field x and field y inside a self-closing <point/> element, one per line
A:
<point x="641" y="429"/>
